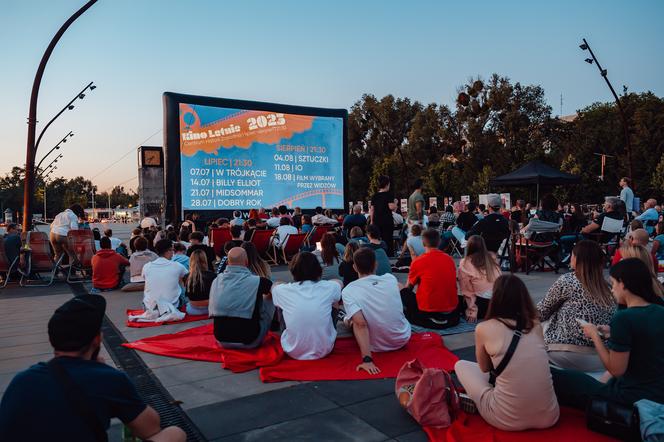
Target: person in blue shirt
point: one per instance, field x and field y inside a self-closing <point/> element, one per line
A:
<point x="627" y="195"/>
<point x="75" y="395"/>
<point x="650" y="216"/>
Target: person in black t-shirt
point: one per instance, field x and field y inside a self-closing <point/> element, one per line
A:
<point x="196" y="239"/>
<point x="198" y="283"/>
<point x="494" y="227"/>
<point x="39" y="405"/>
<point x="380" y="212"/>
<point x="241" y="304"/>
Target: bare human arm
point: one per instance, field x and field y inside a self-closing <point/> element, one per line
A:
<point x="483" y="358"/>
<point x="361" y="332"/>
<point x="590" y="227"/>
<point x="615" y="362"/>
<point x="147" y="426"/>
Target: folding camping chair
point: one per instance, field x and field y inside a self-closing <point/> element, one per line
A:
<point x="536" y="252"/>
<point x="610" y="234"/>
<point x="218" y="238"/>
<point x="505" y="250"/>
<point x="38" y="259"/>
<point x="81" y="243"/>
<point x="316" y="234"/>
<point x="291" y="246"/>
<point x="262" y="239"/>
<point x="6" y="267"/>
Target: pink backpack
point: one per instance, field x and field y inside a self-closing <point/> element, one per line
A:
<point x="428" y="394"/>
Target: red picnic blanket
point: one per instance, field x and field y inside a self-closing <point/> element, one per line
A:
<point x="199" y="344"/>
<point x="136" y="324"/>
<point x="571" y="427"/>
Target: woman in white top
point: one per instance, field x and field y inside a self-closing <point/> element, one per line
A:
<point x="307" y="308"/>
<point x="328" y="257"/>
<point x="478" y="271"/>
<point x="61" y="225"/>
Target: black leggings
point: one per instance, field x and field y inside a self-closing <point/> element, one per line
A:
<point x="386" y="234"/>
<point x="434" y="320"/>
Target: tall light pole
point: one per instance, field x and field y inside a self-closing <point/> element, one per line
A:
<point x="45" y="186"/>
<point x="31" y="148"/>
<point x="603" y="72"/>
<point x="52" y="163"/>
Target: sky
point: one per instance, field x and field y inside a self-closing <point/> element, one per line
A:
<point x="314" y="53"/>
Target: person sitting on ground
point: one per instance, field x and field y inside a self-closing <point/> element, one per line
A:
<point x="107" y="267"/>
<point x="115" y="242"/>
<point x="414" y="242"/>
<point x="273" y="221"/>
<point x="610" y="211"/>
<point x="328" y="257"/>
<point x="634" y="350"/>
<point x="434" y="305"/>
<point x="180" y="254"/>
<point x="640" y="252"/>
<point x="494" y="228"/>
<point x="307" y="309"/>
<point x="237" y="218"/>
<point x="522" y="396"/>
<point x="374" y="311"/>
<point x="137" y="260"/>
<point x="320" y="218"/>
<point x="285" y="228"/>
<point x="378" y="246"/>
<point x="12" y="240"/>
<point x="638" y="237"/>
<point x="478" y="270"/>
<point x="134" y="234"/>
<point x="650" y="215"/>
<point x="356" y="219"/>
<point x="255" y="263"/>
<point x="307" y="225"/>
<point x="356" y="236"/>
<point x="346" y="269"/>
<point x="163" y="281"/>
<point x="581" y="294"/>
<point x="196" y="239"/>
<point x="658" y="242"/>
<point x="198" y="283"/>
<point x="96" y="235"/>
<point x="100" y="391"/>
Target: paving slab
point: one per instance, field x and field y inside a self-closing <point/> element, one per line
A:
<point x="386" y="415"/>
<point x="345" y="393"/>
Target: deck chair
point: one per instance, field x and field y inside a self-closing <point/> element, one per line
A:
<point x="316" y="234"/>
<point x="536" y="252"/>
<point x="262" y="239"/>
<point x="38" y="259"/>
<point x="81" y="243"/>
<point x="291" y="246"/>
<point x="6" y="267"/>
<point x="218" y="238"/>
<point x="611" y="232"/>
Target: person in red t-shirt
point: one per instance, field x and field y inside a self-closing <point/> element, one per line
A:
<point x="107" y="266"/>
<point x="435" y="305"/>
<point x="638" y="237"/>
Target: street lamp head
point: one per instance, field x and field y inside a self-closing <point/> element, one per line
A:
<point x="604" y="72"/>
<point x="81" y="96"/>
<point x="583" y="46"/>
<point x="93" y="87"/>
<point x="589" y="60"/>
<point x="70" y="107"/>
<point x="71" y="134"/>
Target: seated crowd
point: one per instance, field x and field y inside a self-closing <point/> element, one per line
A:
<point x="587" y="337"/>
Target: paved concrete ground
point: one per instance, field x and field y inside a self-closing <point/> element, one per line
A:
<point x="227" y="406"/>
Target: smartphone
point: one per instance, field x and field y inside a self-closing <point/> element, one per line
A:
<point x="319" y="246"/>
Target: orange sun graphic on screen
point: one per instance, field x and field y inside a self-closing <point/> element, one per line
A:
<point x="241" y="129"/>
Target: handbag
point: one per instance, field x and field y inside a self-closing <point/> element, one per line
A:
<point x="613" y="419"/>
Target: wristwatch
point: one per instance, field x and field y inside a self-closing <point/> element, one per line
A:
<point x="367" y="359"/>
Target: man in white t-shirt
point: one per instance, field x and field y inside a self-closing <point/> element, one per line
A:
<point x="148" y="222"/>
<point x="273" y="221"/>
<point x="374" y="310"/>
<point x="307" y="308"/>
<point x="163" y="279"/>
<point x="62" y="223"/>
<point x="285" y="228"/>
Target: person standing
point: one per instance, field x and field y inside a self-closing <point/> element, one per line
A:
<point x="627" y="195"/>
<point x="381" y="212"/>
<point x="416" y="205"/>
<point x="61" y="225"/>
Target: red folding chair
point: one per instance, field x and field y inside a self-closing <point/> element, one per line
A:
<point x="262" y="239"/>
<point x="316" y="234"/>
<point x="6" y="267"/>
<point x="292" y="245"/>
<point x="38" y="259"/>
<point x="218" y="238"/>
<point x="81" y="243"/>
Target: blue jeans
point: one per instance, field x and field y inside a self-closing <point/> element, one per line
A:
<point x="193" y="310"/>
<point x="567" y="242"/>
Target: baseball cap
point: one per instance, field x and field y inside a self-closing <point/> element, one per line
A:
<point x="76" y="322"/>
<point x="493" y="200"/>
